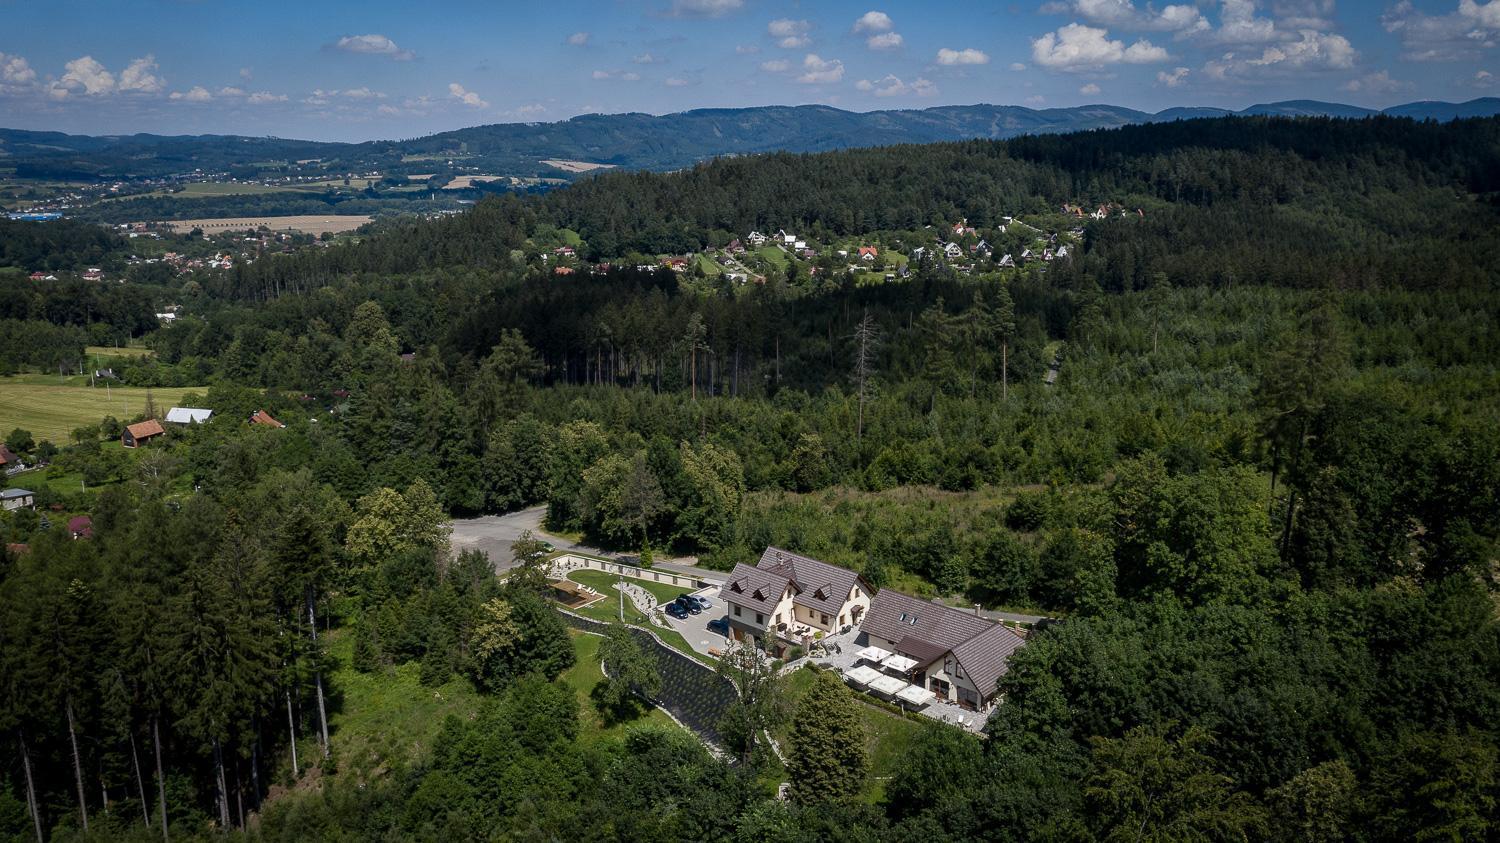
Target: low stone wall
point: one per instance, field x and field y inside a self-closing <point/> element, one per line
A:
<point x="691" y="691"/>
<point x="566" y="562"/>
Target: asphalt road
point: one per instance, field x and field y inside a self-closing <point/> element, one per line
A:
<point x="494" y="534"/>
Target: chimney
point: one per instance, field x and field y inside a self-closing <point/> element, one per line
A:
<point x="976" y="610"/>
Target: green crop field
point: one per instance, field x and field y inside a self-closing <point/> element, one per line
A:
<point x="52" y="410"/>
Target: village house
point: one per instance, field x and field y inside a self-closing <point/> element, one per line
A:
<point x="93" y="273"/>
<point x="795" y="598"/>
<point x="188" y="415"/>
<point x="138" y="434"/>
<point x="955" y="654"/>
<point x="262" y="417"/>
<point x="868" y="253"/>
<point x="735" y="247"/>
<point x="756" y="239"/>
<point x="13" y="499"/>
<point x="9" y="462"/>
<point x="953" y="251"/>
<point x="1007" y="260"/>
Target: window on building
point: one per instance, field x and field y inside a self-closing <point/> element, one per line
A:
<point x="824" y="617"/>
<point x="759" y="618"/>
<point x="736" y="611"/>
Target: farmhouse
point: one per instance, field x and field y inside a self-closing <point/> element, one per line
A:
<point x="954" y="654"/>
<point x="794" y="597"/>
<point x="263" y="417"/>
<point x="12" y="499"/>
<point x="188" y="415"/>
<point x="868" y="253"/>
<point x="756" y="239"/>
<point x="139" y="433"/>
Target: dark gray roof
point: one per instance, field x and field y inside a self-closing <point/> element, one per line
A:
<point x="753" y="588"/>
<point x="16" y="493"/>
<point x="820" y="586"/>
<point x="922" y="628"/>
<point x="986" y="656"/>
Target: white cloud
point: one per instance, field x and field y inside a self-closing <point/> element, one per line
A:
<point x="1089" y="90"/>
<point x="946" y="56"/>
<point x="230" y="91"/>
<point x="703" y="8"/>
<point x="892" y="86"/>
<point x="622" y="75"/>
<point x="1017" y="66"/>
<point x="265" y="98"/>
<point x="775" y="65"/>
<point x="1463" y="34"/>
<point x="1313" y="51"/>
<point x="578" y="39"/>
<point x="15" y="73"/>
<point x="817" y="71"/>
<point x="884" y="41"/>
<point x="1482" y="79"/>
<point x="1181" y="18"/>
<point x="676" y="82"/>
<point x="790" y="34"/>
<point x="647" y="58"/>
<point x="466" y="97"/>
<point x="746" y="50"/>
<point x="388" y="111"/>
<point x="197" y="93"/>
<point x="86" y="75"/>
<point x="246" y="73"/>
<point x="535" y="109"/>
<point x="375" y="45"/>
<point x="1239" y="25"/>
<point x="1175" y="79"/>
<point x="873" y="21"/>
<point x="1036" y="100"/>
<point x="1377" y="83"/>
<point x="140" y="75"/>
<point x="1076" y="47"/>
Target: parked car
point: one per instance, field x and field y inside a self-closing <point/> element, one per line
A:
<point x="703" y="602"/>
<point x="676" y="610"/>
<point x="688" y="603"/>
<point x="719" y="625"/>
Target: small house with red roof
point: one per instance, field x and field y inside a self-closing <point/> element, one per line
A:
<point x="140" y="433"/>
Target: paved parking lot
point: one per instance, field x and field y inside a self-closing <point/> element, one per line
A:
<point x="694" y="628"/>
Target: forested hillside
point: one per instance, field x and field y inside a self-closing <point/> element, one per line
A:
<point x="1242" y="445"/>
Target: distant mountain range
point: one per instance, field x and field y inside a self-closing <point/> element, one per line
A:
<point x="640" y="141"/>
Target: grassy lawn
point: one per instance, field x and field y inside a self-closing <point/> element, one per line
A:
<point x="52" y="410"/>
<point x="888" y="738"/>
<point x="387" y="718"/>
<point x="582" y="677"/>
<point x="605" y="584"/>
<point x="772" y="255"/>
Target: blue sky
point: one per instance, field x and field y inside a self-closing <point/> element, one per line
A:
<point x="333" y="70"/>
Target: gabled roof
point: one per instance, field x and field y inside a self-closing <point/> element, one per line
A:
<point x="263" y="417"/>
<point x="145" y="429"/>
<point x="753" y="588"/>
<point x="820" y="586"/>
<point x="16" y="493"/>
<point x="188" y="415"/>
<point x="8" y="458"/>
<point x="927" y="630"/>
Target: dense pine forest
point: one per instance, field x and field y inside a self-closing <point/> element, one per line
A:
<point x="1242" y="445"/>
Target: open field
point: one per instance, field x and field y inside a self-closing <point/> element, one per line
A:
<point x="464" y="182"/>
<point x="103" y="351"/>
<point x="52" y="411"/>
<point x="307" y="224"/>
<point x="197" y="189"/>
<point x="576" y="166"/>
